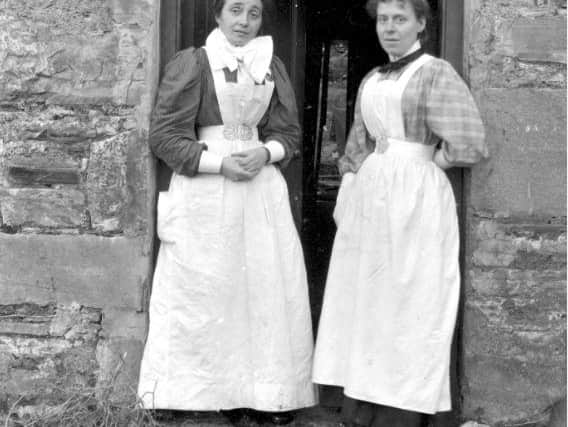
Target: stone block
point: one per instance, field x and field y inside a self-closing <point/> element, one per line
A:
<point x="25" y="176"/>
<point x="34" y="157"/>
<point x="74" y="52"/>
<point x="516" y="330"/>
<point x="526" y="173"/>
<point x="24" y="328"/>
<point x="502" y="391"/>
<point x="139" y="213"/>
<point x="50" y="145"/>
<point x="119" y="360"/>
<point x="540" y="39"/>
<point x="516" y="44"/>
<point x="36" y="207"/>
<point x="129" y="324"/>
<point x="76" y="323"/>
<point x="106" y="183"/>
<point x="32" y="347"/>
<point x="526" y="246"/>
<point x="45" y="371"/>
<point x="90" y="270"/>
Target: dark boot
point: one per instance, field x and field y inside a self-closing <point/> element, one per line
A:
<point x="275" y="418"/>
<point x="386" y="416"/>
<point x="237" y="416"/>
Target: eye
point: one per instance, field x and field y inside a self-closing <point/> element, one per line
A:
<point x="255" y="13"/>
<point x="382" y="19"/>
<point x="400" y="19"/>
<point x="235" y="10"/>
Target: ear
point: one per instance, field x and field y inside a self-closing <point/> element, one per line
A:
<point x="422" y="22"/>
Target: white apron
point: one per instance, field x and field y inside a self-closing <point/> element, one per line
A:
<point x="230" y="323"/>
<point x="392" y="292"/>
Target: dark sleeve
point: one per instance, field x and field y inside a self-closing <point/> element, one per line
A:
<point x="281" y="122"/>
<point x="172" y="126"/>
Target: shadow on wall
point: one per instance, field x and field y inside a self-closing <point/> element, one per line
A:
<point x="558" y="414"/>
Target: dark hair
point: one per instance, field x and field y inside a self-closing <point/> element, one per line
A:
<point x="267" y="13"/>
<point x="421" y="10"/>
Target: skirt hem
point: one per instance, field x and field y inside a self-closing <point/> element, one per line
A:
<point x="379" y="401"/>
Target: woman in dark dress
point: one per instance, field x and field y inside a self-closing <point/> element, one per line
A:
<point x="230" y="322"/>
<point x="393" y="285"/>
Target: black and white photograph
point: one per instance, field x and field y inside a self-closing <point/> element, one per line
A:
<point x="298" y="213"/>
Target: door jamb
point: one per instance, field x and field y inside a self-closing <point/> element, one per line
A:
<point x="452" y="50"/>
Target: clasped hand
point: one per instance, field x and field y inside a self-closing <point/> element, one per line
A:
<point x="244" y="165"/>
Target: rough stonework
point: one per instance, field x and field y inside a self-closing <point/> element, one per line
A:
<point x="514" y="338"/>
<point x="77" y="79"/>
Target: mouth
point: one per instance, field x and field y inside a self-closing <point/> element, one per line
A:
<point x="240" y="33"/>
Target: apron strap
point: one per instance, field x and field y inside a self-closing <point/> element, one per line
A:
<point x="409" y="72"/>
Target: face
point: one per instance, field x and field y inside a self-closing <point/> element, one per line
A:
<point x="240" y="20"/>
<point x="398" y="27"/>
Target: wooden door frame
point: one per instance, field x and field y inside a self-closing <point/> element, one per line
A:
<point x="452" y="50"/>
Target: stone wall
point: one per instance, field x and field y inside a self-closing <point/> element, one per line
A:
<point x="514" y="339"/>
<point x="76" y="190"/>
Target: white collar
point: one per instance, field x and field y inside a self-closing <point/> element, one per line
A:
<point x="256" y="55"/>
<point x="412" y="49"/>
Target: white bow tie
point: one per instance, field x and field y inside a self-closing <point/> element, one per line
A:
<point x="255" y="56"/>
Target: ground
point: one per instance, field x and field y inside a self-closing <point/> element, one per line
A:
<point x="312" y="417"/>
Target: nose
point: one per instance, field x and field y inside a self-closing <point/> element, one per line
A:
<point x="389" y="26"/>
<point x="243" y="19"/>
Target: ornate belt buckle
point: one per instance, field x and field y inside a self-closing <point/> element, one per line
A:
<point x="229" y="132"/>
<point x="244" y="132"/>
<point x="240" y="132"/>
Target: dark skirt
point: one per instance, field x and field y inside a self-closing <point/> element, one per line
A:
<point x="360" y="413"/>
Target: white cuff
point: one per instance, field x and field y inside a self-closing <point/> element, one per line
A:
<point x="209" y="162"/>
<point x="277" y="151"/>
<point x="347" y="177"/>
<point x="440" y="159"/>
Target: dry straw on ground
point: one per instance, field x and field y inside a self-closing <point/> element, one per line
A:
<point x="87" y="407"/>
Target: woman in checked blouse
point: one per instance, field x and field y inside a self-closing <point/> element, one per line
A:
<point x="392" y="291"/>
<point x="230" y="323"/>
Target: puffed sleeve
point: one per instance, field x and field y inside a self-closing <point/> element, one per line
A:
<point x="452" y="115"/>
<point x="281" y="123"/>
<point x="359" y="143"/>
<point x="172" y="126"/>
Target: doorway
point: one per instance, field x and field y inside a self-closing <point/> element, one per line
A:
<point x="327" y="46"/>
<point x="341" y="47"/>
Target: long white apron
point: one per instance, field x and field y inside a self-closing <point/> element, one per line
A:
<point x="230" y="323"/>
<point x="392" y="291"/>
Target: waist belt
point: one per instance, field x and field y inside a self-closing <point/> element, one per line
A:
<point x="411" y="150"/>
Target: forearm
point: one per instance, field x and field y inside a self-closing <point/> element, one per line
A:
<point x="182" y="155"/>
<point x="441" y="160"/>
<point x="282" y="148"/>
